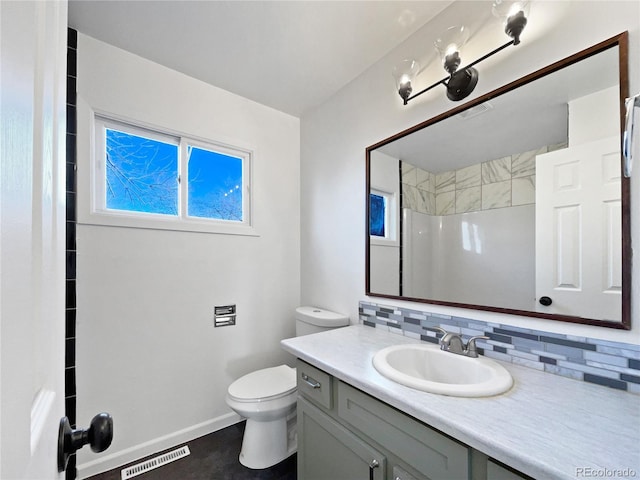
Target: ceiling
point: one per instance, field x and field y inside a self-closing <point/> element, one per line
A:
<point x="289" y="55"/>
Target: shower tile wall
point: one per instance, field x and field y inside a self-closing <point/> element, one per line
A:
<point x="499" y="183"/>
<point x="70" y="290"/>
<point x="611" y="364"/>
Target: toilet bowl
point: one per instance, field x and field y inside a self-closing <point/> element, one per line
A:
<point x="267" y="399"/>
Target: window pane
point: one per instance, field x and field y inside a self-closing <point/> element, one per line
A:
<point x="377" y="213"/>
<point x="141" y="174"/>
<point x="215" y="185"/>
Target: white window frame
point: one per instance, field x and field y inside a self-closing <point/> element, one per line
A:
<point x="91" y="191"/>
<point x="225" y="150"/>
<point x="391" y="219"/>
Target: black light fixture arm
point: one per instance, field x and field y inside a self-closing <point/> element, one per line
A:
<point x="446" y="79"/>
<point x="490" y="54"/>
<point x="443" y="82"/>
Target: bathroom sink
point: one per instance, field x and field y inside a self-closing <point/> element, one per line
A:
<point x="429" y="369"/>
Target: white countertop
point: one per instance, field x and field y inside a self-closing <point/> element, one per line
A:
<point x="546" y="426"/>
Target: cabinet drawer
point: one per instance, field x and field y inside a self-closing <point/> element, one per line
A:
<point x="429" y="452"/>
<point x="314" y="384"/>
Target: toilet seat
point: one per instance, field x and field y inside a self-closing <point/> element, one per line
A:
<point x="265" y="384"/>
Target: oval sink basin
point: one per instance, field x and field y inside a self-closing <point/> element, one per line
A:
<point x="429" y="369"/>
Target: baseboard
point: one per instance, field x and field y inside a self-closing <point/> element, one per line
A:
<point x="128" y="455"/>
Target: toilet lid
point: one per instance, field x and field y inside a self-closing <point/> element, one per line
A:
<point x="267" y="382"/>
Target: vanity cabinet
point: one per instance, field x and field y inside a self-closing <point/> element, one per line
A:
<point x="345" y="434"/>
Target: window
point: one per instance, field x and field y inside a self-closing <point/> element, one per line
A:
<point x="215" y="185"/>
<point x="141" y="172"/>
<point x="383" y="218"/>
<point x="378" y="215"/>
<point x="145" y="178"/>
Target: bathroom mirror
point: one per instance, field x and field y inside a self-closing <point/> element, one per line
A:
<point x="513" y="202"/>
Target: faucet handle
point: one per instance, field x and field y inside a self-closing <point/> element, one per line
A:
<point x="445" y="340"/>
<point x="440" y="329"/>
<point x="471" y="349"/>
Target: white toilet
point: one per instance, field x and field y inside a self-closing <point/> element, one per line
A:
<point x="267" y="399"/>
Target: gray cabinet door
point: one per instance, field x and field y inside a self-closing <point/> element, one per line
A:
<point x="328" y="451"/>
<point x="424" y="449"/>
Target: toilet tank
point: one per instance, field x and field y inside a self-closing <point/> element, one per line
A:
<point x="313" y="320"/>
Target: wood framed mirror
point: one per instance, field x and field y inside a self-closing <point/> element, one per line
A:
<point x="513" y="202"/>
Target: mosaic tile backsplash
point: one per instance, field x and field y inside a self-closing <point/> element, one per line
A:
<point x="612" y="364"/>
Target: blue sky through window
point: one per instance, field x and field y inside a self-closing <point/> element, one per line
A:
<point x="215" y="185"/>
<point x="141" y="174"/>
<point x="377" y="213"/>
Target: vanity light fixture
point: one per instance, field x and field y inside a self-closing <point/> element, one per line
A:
<point x="461" y="81"/>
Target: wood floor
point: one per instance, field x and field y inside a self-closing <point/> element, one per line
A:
<point x="213" y="457"/>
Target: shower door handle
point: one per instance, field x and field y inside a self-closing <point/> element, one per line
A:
<point x="98" y="435"/>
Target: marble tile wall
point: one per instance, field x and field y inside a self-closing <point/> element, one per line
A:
<point x="611" y="364"/>
<point x="418" y="189"/>
<point x="500" y="183"/>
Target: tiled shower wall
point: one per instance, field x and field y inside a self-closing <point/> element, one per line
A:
<point x="612" y="364"/>
<point x="70" y="302"/>
<point x="499" y="183"/>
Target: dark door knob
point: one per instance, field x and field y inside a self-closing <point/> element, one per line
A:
<point x="98" y="436"/>
<point x="546" y="301"/>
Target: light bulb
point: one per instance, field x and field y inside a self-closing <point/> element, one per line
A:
<point x="514" y="15"/>
<point x="405" y="73"/>
<point x="448" y="46"/>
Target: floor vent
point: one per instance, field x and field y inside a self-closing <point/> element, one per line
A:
<point x="156" y="462"/>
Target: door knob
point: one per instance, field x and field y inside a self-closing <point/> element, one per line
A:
<point x="98" y="436"/>
<point x="546" y="301"/>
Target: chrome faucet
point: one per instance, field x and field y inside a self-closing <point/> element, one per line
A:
<point x="452" y="342"/>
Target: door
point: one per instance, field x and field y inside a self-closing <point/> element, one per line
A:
<point x="33" y="39"/>
<point x="579" y="230"/>
<point x="327" y="450"/>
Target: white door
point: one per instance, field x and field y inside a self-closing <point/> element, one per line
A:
<point x="578" y="230"/>
<point x="33" y="39"/>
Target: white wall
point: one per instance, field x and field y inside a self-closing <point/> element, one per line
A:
<point x="147" y="351"/>
<point x="586" y="127"/>
<point x="385" y="252"/>
<point x="451" y="257"/>
<point x="419" y="253"/>
<point x="335" y="135"/>
<point x="480" y="263"/>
